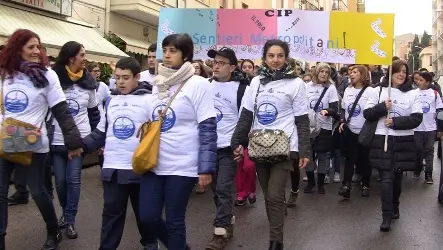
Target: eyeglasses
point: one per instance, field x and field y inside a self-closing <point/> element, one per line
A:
<point x="221" y="63"/>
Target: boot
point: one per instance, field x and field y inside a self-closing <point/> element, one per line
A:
<point x="428" y="178"/>
<point x="386" y="225"/>
<point x="396" y="215"/>
<point x="274" y="245"/>
<point x="53" y="240"/>
<point x="311" y="182"/>
<point x="345" y="191"/>
<point x="321" y="183"/>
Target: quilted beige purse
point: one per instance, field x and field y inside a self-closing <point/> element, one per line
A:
<point x="267" y="145"/>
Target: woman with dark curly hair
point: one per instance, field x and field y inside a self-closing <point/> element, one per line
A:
<point x="30" y="89"/>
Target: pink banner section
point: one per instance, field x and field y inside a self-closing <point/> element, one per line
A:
<point x="251" y="27"/>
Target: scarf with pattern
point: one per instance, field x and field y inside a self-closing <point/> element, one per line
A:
<point x="269" y="75"/>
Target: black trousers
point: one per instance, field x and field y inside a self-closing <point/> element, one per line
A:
<point x="390" y="191"/>
<point x="114" y="213"/>
<point x="358" y="155"/>
<point x="295" y="176"/>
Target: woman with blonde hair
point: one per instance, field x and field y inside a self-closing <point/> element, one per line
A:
<point x="322" y="99"/>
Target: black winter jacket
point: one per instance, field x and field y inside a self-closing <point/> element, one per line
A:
<point x="401" y="153"/>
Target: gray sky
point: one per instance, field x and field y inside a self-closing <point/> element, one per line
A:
<point x="411" y="16"/>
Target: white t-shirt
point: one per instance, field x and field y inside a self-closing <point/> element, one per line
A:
<point x="79" y="100"/>
<point x="403" y="104"/>
<point x="126" y="114"/>
<point x="278" y="103"/>
<point x="145" y="76"/>
<point x="112" y="83"/>
<point x="313" y="91"/>
<point x="357" y="120"/>
<point x="179" y="140"/>
<point x="102" y="94"/>
<point x="27" y="103"/>
<point x="430" y="101"/>
<point x="225" y="103"/>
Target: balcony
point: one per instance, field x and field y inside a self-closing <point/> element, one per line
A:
<point x="148" y="10"/>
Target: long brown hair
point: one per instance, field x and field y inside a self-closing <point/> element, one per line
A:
<point x="364" y="75"/>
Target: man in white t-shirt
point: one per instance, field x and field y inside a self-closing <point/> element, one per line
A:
<point x="148" y="75"/>
<point x="229" y="86"/>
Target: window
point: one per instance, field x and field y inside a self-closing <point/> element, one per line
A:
<point x="430" y="60"/>
<point x="244" y="6"/>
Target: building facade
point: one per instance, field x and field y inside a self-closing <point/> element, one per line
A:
<point x="437" y="38"/>
<point x="425" y="58"/>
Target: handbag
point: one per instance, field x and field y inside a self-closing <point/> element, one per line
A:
<point x="145" y="157"/>
<point x="267" y="145"/>
<point x="18" y="139"/>
<point x="367" y="132"/>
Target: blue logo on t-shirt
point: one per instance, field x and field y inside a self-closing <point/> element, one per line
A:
<point x="312" y="105"/>
<point x="356" y="112"/>
<point x="123" y="128"/>
<point x="426" y="107"/>
<point x="267" y="113"/>
<point x="219" y="114"/>
<point x="169" y="119"/>
<point x="74" y="107"/>
<point x="16" y="101"/>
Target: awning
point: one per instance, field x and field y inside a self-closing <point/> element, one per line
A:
<point x="54" y="33"/>
<point x="134" y="45"/>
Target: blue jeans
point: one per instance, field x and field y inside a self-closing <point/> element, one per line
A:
<point x="67" y="175"/>
<point x="172" y="193"/>
<point x="35" y="176"/>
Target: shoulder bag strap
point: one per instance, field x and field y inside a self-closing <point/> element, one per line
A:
<point x="163" y="112"/>
<point x="255" y="106"/>
<point x="319" y="99"/>
<point x="355" y="104"/>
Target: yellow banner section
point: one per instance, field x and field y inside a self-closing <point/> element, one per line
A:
<point x="371" y="35"/>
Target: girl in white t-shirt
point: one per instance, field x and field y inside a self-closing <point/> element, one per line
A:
<point x="326" y="107"/>
<point x="80" y="91"/>
<point x="30" y="89"/>
<point x="276" y="100"/>
<point x="426" y="132"/>
<point x="406" y="113"/>
<point x="188" y="142"/>
<point x="351" y="124"/>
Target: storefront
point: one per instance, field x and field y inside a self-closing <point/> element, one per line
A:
<point x="54" y="30"/>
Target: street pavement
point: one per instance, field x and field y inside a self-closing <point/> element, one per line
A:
<point x="318" y="222"/>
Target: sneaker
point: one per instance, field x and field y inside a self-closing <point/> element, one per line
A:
<point x="356" y="178"/>
<point x="152" y="246"/>
<point x="364" y="191"/>
<point x="428" y="178"/>
<point x="337" y="177"/>
<point x="305" y="178"/>
<point x="292" y="199"/>
<point x="416" y="175"/>
<point x="252" y="198"/>
<point x="240" y="201"/>
<point x="219" y="240"/>
<point x="345" y="191"/>
<point x="327" y="180"/>
<point x="17" y="199"/>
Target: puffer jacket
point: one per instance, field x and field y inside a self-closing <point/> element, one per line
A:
<point x="401" y="153"/>
<point x="85" y="82"/>
<point x="207" y="154"/>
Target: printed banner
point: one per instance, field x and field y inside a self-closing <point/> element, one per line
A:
<point x="338" y="37"/>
